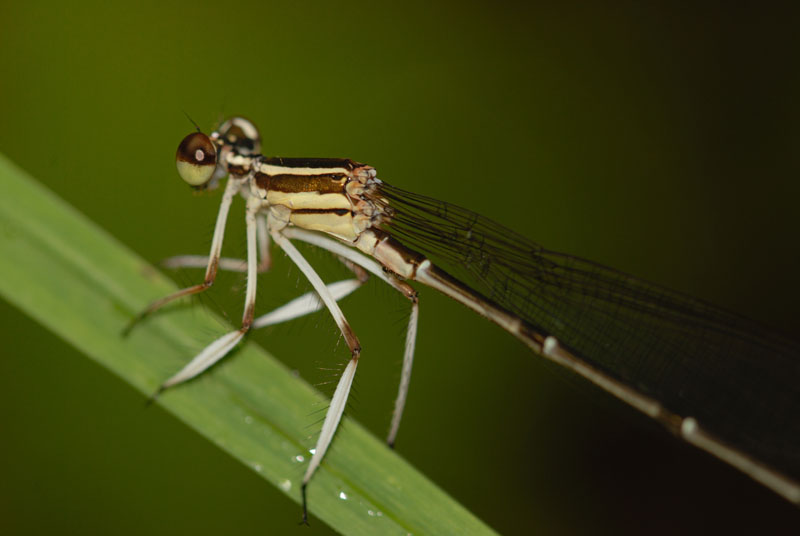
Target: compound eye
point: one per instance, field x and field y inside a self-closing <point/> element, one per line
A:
<point x="196" y="159"/>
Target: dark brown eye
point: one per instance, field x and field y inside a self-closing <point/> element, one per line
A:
<point x="196" y="159"/>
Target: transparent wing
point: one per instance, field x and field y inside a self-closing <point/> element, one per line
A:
<point x="738" y="379"/>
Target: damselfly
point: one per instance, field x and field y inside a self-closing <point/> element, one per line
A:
<point x="712" y="378"/>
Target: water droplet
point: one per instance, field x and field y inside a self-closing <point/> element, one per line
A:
<point x="312" y="451"/>
<point x="257" y="467"/>
<point x="343" y="495"/>
<point x="248" y="419"/>
<point x="371" y="513"/>
<point x="286" y="484"/>
<point x="299" y="458"/>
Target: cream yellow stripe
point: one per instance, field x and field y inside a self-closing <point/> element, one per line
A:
<point x="270" y="169"/>
<point x="306" y="200"/>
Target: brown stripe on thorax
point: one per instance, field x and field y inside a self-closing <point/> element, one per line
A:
<point x="336" y="211"/>
<point x="324" y="183"/>
<point x="321" y="163"/>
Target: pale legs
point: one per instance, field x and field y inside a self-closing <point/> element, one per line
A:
<point x="406" y="290"/>
<point x="231" y="189"/>
<point x="258" y="241"/>
<point x="303" y="305"/>
<point x="339" y="400"/>
<point x="217" y="349"/>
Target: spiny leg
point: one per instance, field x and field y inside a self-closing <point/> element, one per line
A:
<point x="405" y="375"/>
<point x="213" y="259"/>
<point x="334" y="414"/>
<point x="224" y="263"/>
<point x="306" y="304"/>
<point x="310" y="302"/>
<point x="405" y="289"/>
<point x="339" y="399"/>
<point x="303" y="305"/>
<point x="220" y="347"/>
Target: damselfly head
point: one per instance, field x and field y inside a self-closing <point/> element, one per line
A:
<point x="240" y="134"/>
<point x="196" y="159"/>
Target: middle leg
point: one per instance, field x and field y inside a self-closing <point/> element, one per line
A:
<point x="405" y="289"/>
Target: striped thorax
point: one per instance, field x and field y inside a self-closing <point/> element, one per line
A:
<point x="335" y="196"/>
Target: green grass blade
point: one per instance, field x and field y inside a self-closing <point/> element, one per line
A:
<point x="83" y="285"/>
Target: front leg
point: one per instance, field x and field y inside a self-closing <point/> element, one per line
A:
<point x="219" y="348"/>
<point x="213" y="259"/>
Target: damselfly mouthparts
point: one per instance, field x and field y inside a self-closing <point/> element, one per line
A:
<point x="712" y="378"/>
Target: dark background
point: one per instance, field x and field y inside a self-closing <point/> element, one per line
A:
<point x="658" y="139"/>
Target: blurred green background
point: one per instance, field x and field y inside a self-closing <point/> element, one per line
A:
<point x="660" y="140"/>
